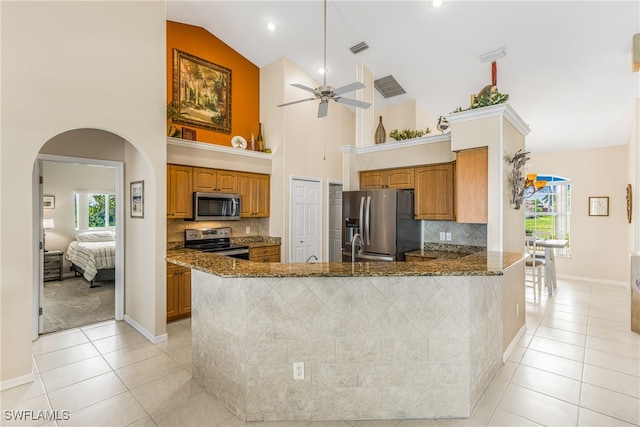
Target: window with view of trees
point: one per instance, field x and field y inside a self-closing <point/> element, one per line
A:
<point x="548" y="211"/>
<point x="94" y="210"/>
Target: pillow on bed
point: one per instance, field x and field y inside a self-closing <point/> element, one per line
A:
<point x="95" y="236"/>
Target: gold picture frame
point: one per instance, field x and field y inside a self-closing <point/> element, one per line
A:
<point x="202" y="89"/>
<point x="599" y="206"/>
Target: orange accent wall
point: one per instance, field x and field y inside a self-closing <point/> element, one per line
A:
<point x="245" y="79"/>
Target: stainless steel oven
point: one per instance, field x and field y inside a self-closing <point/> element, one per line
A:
<point x="216" y="206"/>
<point x="214" y="240"/>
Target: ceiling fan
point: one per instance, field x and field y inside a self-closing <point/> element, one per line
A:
<point x="324" y="93"/>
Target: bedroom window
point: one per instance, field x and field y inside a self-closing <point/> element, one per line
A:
<point x="94" y="210"/>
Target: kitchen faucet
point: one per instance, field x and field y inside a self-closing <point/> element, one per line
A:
<point x="353" y="246"/>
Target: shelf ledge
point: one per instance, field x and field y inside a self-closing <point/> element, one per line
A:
<point x="393" y="145"/>
<point x="204" y="146"/>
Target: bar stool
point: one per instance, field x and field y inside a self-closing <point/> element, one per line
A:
<point x="533" y="264"/>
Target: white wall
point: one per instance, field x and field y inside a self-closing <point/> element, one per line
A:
<point x="599" y="244"/>
<point x="407" y="115"/>
<point x="62" y="180"/>
<point x="79" y="65"/>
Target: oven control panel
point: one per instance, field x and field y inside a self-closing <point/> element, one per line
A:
<point x="207" y="233"/>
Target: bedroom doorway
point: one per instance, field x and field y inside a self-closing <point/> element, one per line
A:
<point x="80" y="204"/>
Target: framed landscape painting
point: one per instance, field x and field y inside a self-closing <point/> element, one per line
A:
<point x="202" y="89"/>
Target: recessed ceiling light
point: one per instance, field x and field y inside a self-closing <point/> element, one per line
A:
<point x="271" y="26"/>
<point x="321" y="70"/>
<point x="437" y="3"/>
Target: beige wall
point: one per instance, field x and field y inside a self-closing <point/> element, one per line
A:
<point x="303" y="145"/>
<point x="408" y="115"/>
<point x="599" y="244"/>
<point x="80" y="65"/>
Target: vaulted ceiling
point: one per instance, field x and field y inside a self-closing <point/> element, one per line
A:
<point x="567" y="67"/>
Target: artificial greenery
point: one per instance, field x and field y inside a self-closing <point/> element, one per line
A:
<point x="408" y="133"/>
<point x="484" y="99"/>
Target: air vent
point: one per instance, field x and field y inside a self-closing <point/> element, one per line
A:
<point x="359" y="48"/>
<point x="388" y="87"/>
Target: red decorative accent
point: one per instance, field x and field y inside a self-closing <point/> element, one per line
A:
<point x="494" y="74"/>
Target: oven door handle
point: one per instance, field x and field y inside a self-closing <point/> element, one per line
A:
<point x="231" y="252"/>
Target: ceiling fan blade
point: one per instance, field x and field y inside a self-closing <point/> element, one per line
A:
<point x="303" y="87"/>
<point x="323" y="108"/>
<point x="353" y="102"/>
<point x="349" y="88"/>
<point x="296" y="102"/>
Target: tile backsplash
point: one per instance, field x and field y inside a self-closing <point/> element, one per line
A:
<point x="461" y="234"/>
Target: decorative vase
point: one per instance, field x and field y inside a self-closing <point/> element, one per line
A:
<point x="381" y="134"/>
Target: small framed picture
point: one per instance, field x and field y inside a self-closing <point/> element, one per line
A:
<point x="137" y="199"/>
<point x="189" y="134"/>
<point x="599" y="206"/>
<point x="49" y="202"/>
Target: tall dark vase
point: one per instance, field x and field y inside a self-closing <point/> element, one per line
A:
<point x="381" y="134"/>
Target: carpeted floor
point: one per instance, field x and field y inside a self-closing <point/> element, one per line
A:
<point x="71" y="303"/>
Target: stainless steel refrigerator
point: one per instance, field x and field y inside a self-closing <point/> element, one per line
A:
<point x="385" y="220"/>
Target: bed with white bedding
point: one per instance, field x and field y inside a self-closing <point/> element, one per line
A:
<point x="93" y="256"/>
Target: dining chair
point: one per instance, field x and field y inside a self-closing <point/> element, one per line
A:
<point x="533" y="263"/>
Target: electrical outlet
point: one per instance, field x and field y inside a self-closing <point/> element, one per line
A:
<point x="448" y="237"/>
<point x="442" y="236"/>
<point x="298" y="370"/>
<point x="247" y="230"/>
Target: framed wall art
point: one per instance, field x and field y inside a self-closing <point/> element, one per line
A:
<point x="137" y="199"/>
<point x="599" y="206"/>
<point x="202" y="89"/>
<point x="49" y="202"/>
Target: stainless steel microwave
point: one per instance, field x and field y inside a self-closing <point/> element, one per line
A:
<point x="216" y="206"/>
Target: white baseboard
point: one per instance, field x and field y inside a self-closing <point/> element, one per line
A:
<point x="513" y="343"/>
<point x="18" y="381"/>
<point x="591" y="279"/>
<point x="148" y="335"/>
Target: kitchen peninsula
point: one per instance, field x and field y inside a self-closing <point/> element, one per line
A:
<point x="376" y="340"/>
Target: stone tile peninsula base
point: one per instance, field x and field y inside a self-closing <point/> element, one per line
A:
<point x="372" y="347"/>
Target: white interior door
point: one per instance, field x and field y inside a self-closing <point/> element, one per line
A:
<point x="335" y="222"/>
<point x="306" y="219"/>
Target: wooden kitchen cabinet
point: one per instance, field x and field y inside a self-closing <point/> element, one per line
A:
<point x="215" y="180"/>
<point x="179" y="191"/>
<point x="178" y="292"/>
<point x="265" y="254"/>
<point x="472" y="168"/>
<point x="254" y="189"/>
<point x="434" y="192"/>
<point x="399" y="178"/>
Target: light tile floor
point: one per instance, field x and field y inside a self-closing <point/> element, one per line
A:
<point x="577" y="365"/>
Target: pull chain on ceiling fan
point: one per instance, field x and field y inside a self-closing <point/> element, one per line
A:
<point x="324" y="93"/>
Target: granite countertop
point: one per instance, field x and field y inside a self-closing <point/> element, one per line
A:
<point x="442" y="252"/>
<point x="250" y="241"/>
<point x="256" y="241"/>
<point x="483" y="263"/>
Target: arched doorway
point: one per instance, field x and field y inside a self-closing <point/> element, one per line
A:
<point x="85" y="150"/>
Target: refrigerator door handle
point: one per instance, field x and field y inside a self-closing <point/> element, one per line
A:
<point x="361" y="224"/>
<point x="368" y="220"/>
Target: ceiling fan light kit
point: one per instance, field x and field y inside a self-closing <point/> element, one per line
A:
<point x="325" y="92"/>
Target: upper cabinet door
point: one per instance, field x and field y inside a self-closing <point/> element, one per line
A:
<point x="399" y="178"/>
<point x="434" y="192"/>
<point x="204" y="179"/>
<point x="472" y="186"/>
<point x="180" y="191"/>
<point x="227" y="181"/>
